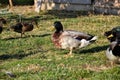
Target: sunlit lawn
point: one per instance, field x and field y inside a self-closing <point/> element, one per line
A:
<point x="34" y="56"/>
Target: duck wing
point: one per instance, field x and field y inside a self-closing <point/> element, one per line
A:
<point x="17" y="27"/>
<point x="77" y="35"/>
<point x="77" y="38"/>
<point x="69" y="42"/>
<point x="115" y="47"/>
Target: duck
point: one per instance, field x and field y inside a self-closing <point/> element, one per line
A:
<point x="70" y="39"/>
<point x="1" y="28"/>
<point x="113" y="52"/>
<point x="111" y="34"/>
<point x="22" y="27"/>
<point x="2" y="21"/>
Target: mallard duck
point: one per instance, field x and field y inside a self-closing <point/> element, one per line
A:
<point x="112" y="34"/>
<point x="70" y="39"/>
<point x="1" y="28"/>
<point x="113" y="52"/>
<point x="22" y="27"/>
<point x="2" y="21"/>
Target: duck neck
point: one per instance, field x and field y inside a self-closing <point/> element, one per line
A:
<point x="58" y="31"/>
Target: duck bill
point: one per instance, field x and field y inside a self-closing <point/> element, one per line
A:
<point x="110" y="36"/>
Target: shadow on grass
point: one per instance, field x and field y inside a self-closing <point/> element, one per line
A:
<point x="22" y="54"/>
<point x="50" y="14"/>
<point x="16" y="18"/>
<point x="66" y="14"/>
<point x="93" y="50"/>
<point x="11" y="38"/>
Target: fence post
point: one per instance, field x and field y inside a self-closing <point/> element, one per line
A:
<point x="11" y="3"/>
<point x="37" y="4"/>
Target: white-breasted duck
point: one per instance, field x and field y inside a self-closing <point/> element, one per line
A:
<point x="70" y="39"/>
<point x="113" y="52"/>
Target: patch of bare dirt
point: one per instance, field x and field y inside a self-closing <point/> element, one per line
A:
<point x="98" y="68"/>
<point x="22" y="9"/>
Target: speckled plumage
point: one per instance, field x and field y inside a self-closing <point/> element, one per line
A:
<point x="22" y="27"/>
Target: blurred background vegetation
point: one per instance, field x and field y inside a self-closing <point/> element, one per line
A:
<point x="18" y="2"/>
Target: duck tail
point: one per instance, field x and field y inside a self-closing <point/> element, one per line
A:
<point x="93" y="39"/>
<point x="84" y="42"/>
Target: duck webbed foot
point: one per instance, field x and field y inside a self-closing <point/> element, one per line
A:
<point x="70" y="53"/>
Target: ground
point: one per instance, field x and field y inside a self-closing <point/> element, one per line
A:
<point x="34" y="57"/>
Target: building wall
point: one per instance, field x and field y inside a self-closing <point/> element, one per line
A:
<point x="107" y="6"/>
<point x="99" y="6"/>
<point x="85" y="5"/>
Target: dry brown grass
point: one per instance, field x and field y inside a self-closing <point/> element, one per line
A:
<point x="22" y="9"/>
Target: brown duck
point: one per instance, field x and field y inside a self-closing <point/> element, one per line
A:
<point x="2" y="21"/>
<point x="22" y="27"/>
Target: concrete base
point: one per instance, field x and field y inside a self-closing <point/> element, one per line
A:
<point x="63" y="6"/>
<point x="107" y="10"/>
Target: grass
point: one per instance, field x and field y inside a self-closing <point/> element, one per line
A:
<point x="34" y="57"/>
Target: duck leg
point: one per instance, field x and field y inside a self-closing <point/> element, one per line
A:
<point x="70" y="53"/>
<point x="112" y="63"/>
<point x="22" y="34"/>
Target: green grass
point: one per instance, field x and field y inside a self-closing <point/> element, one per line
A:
<point x="34" y="57"/>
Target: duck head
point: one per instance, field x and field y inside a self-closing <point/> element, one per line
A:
<point x="58" y="26"/>
<point x="110" y="36"/>
<point x="107" y="33"/>
<point x="113" y="34"/>
<point x="34" y="22"/>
